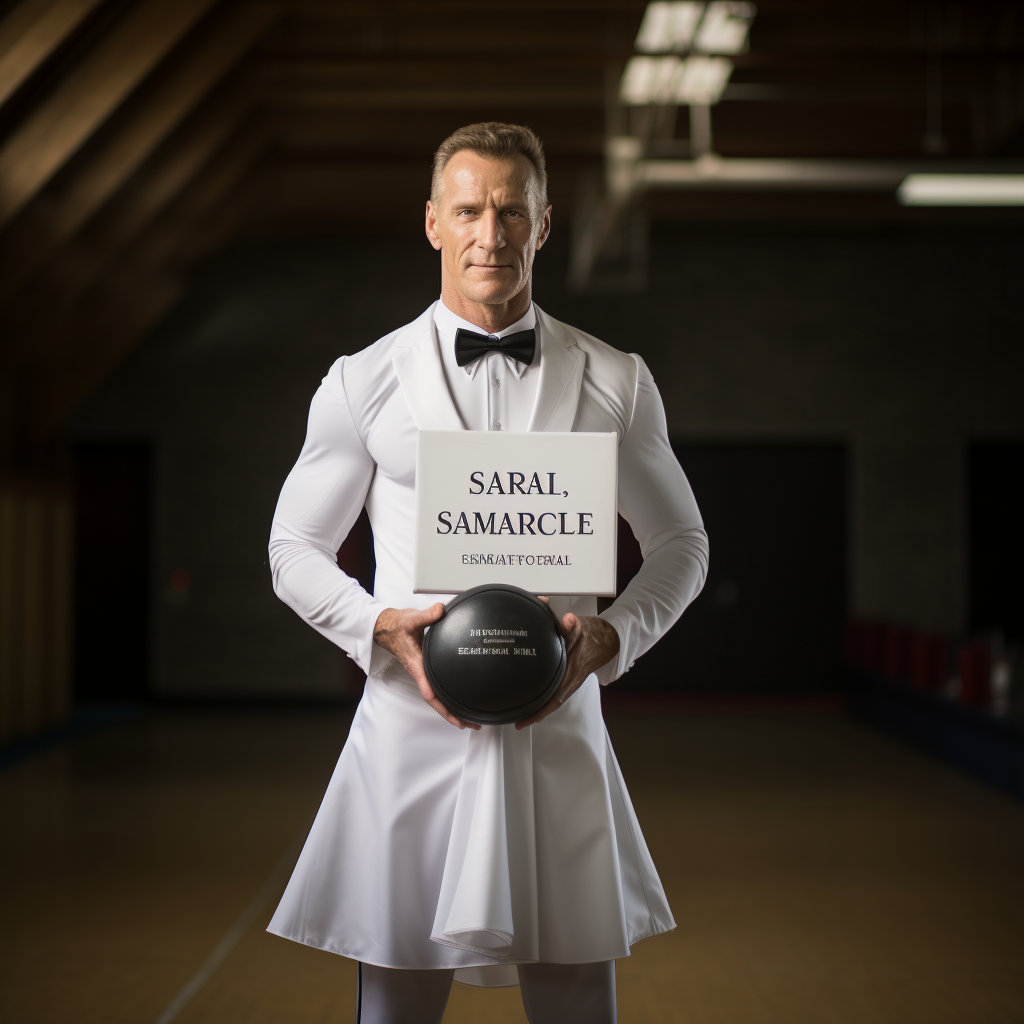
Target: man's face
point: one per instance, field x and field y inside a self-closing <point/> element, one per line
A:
<point x="488" y="224"/>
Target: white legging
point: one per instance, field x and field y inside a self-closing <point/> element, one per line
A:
<point x="552" y="994"/>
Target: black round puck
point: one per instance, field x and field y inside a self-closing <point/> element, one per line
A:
<point x="495" y="656"/>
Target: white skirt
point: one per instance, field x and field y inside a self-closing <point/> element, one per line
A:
<point x="440" y="848"/>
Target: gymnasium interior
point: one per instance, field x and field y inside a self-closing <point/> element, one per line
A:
<point x="807" y="216"/>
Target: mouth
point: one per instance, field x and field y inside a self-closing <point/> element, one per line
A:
<point x="489" y="268"/>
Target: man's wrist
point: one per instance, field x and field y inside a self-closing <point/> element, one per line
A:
<point x="383" y="626"/>
<point x="611" y="632"/>
<point x="609" y="670"/>
<point x="605" y="640"/>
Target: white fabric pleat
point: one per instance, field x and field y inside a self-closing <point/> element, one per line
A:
<point x="473" y="850"/>
<point x="474" y="909"/>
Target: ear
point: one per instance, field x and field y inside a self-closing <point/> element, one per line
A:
<point x="545" y="228"/>
<point x="430" y="226"/>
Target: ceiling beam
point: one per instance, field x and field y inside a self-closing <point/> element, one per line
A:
<point x="45" y="312"/>
<point x="136" y="292"/>
<point x="31" y="33"/>
<point x="130" y="137"/>
<point x="343" y="192"/>
<point x="434" y="11"/>
<point x="179" y="166"/>
<point x="426" y="98"/>
<point x="19" y="20"/>
<point x="209" y="209"/>
<point x="58" y="127"/>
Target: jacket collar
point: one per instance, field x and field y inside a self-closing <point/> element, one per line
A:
<point x="417" y="364"/>
<point x="561" y="376"/>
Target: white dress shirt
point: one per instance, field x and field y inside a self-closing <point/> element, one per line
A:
<point x="494" y="392"/>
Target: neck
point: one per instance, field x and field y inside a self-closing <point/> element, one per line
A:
<point x="492" y="317"/>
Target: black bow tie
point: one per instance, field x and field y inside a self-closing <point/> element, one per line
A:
<point x="469" y="346"/>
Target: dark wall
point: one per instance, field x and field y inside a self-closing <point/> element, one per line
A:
<point x="898" y="347"/>
<point x="771" y="613"/>
<point x="997" y="537"/>
<point x="113" y="545"/>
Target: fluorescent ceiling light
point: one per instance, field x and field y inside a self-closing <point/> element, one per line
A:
<point x="962" y="190"/>
<point x="649" y="80"/>
<point x="703" y="80"/>
<point x="669" y="80"/>
<point x="724" y="27"/>
<point x="668" y="27"/>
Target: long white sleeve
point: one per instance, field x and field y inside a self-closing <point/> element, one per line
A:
<point x="321" y="499"/>
<point x="656" y="500"/>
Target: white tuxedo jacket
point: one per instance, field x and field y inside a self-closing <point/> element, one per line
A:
<point x="361" y="449"/>
<point x="473" y="850"/>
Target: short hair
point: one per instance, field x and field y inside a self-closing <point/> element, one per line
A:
<point x="493" y="139"/>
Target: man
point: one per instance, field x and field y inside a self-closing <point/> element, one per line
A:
<point x="506" y="854"/>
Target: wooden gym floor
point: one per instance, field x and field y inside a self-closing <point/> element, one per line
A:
<point x="820" y="873"/>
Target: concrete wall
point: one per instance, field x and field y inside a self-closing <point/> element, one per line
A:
<point x="904" y="345"/>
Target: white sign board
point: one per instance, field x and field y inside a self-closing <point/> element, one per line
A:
<point x="537" y="510"/>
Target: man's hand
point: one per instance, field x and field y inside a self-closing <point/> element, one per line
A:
<point x="590" y="642"/>
<point x="400" y="632"/>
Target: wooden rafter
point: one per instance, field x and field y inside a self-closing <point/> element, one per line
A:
<point x="31" y="33"/>
<point x="463" y="98"/>
<point x="83" y="101"/>
<point x="46" y="312"/>
<point x="136" y="291"/>
<point x="126" y="142"/>
<point x="210" y="208"/>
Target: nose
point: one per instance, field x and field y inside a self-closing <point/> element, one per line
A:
<point x="491" y="236"/>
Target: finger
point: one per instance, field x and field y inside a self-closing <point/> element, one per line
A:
<point x="412" y="659"/>
<point x="426" y="690"/>
<point x="532" y="720"/>
<point x="414" y="666"/>
<point x="431" y="698"/>
<point x="449" y="717"/>
<point x="571" y="628"/>
<point x="565" y="691"/>
<point x="427" y="693"/>
<point x="538" y="716"/>
<point x="546" y="600"/>
<point x="427" y="616"/>
<point x="445" y="713"/>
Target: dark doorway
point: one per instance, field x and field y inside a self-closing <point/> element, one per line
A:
<point x="112" y="492"/>
<point x="997" y="537"/>
<point x="770" y="616"/>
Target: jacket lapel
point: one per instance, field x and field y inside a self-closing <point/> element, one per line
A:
<point x="417" y="364"/>
<point x="561" y="377"/>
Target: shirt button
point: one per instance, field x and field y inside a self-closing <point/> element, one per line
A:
<point x="497" y="425"/>
<point x="497" y="383"/>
